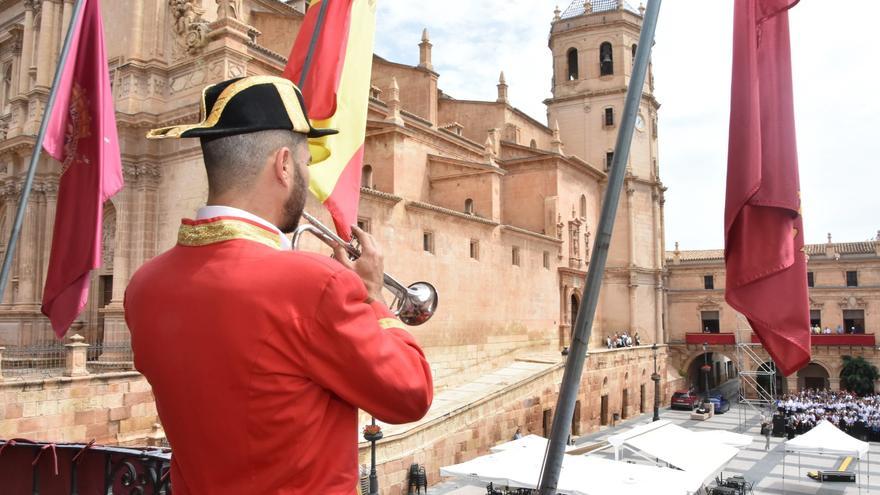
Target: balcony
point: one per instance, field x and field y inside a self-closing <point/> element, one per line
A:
<point x="859" y="339"/>
<point x="699" y="338"/>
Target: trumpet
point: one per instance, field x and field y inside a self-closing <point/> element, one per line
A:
<point x="413" y="305"/>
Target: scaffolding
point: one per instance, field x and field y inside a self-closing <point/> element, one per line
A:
<point x="757" y="380"/>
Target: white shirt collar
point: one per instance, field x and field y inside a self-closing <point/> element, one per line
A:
<point x="212" y="211"/>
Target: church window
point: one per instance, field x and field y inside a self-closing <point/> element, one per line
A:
<point x="367" y="177"/>
<point x="469" y="206"/>
<point x="854" y="320"/>
<point x="6" y="88"/>
<point x="608" y="117"/>
<point x="710" y="321"/>
<point x="514" y="256"/>
<point x="810" y="280"/>
<point x="583" y="206"/>
<point x="654" y="127"/>
<point x="609" y="159"/>
<point x="533" y="144"/>
<point x="816" y="318"/>
<point x="852" y="279"/>
<point x="572" y="59"/>
<point x="708" y="282"/>
<point x="364" y="224"/>
<point x="634" y="48"/>
<point x="428" y="242"/>
<point x="606" y="59"/>
<point x="475" y="249"/>
<point x="547" y="259"/>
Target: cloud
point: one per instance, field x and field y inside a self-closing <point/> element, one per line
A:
<point x="836" y="113"/>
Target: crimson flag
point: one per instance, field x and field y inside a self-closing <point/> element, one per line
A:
<point x="81" y="134"/>
<point x="764" y="235"/>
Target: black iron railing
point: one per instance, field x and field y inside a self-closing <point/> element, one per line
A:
<point x="38" y="467"/>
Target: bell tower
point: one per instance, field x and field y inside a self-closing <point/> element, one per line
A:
<point x="594" y="44"/>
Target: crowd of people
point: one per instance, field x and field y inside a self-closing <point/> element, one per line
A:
<point x="622" y="339"/>
<point x="817" y="330"/>
<point x="857" y="416"/>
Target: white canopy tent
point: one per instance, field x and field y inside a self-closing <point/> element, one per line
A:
<point x="533" y="442"/>
<point x="825" y="438"/>
<point x="678" y="447"/>
<point x="729" y="438"/>
<point x="580" y="475"/>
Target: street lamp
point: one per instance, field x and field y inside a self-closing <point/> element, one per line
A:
<point x="706" y="369"/>
<point x="656" y="378"/>
<point x="372" y="434"/>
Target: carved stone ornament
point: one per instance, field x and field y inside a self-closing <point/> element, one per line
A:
<point x="707" y="303"/>
<point x="852" y="302"/>
<point x="229" y="8"/>
<point x="191" y="30"/>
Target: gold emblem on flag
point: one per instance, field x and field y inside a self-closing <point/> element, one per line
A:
<point x="78" y="126"/>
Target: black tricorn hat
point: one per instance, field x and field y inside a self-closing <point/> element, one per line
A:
<point x="244" y="105"/>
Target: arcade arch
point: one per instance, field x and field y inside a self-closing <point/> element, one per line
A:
<point x="721" y="368"/>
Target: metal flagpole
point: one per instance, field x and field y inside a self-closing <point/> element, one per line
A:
<point x="38" y="145"/>
<point x="577" y="354"/>
<point x="319" y="24"/>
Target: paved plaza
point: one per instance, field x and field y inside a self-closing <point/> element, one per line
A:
<point x="764" y="469"/>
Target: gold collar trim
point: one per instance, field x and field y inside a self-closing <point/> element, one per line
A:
<point x="220" y="229"/>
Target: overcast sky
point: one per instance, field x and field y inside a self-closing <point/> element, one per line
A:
<point x="836" y="103"/>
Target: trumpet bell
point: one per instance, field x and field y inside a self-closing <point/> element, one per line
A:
<point x="417" y="305"/>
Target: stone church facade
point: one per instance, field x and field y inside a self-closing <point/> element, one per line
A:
<point x="493" y="207"/>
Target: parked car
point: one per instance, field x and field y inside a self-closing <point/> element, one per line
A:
<point x="722" y="405"/>
<point x="685" y="399"/>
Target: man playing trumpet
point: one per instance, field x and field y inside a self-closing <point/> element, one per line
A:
<point x="259" y="356"/>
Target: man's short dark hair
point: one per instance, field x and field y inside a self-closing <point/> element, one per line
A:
<point x="234" y="162"/>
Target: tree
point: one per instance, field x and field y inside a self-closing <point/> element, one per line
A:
<point x="858" y="375"/>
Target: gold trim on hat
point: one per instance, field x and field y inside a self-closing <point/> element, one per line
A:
<point x="285" y="90"/>
<point x="226" y="229"/>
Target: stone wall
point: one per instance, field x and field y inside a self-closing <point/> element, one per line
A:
<point x="111" y="408"/>
<point x="470" y="431"/>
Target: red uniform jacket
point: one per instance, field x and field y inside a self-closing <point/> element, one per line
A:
<point x="259" y="359"/>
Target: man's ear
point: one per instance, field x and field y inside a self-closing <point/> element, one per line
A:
<point x="283" y="166"/>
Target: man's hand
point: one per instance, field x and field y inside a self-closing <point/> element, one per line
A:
<point x="369" y="266"/>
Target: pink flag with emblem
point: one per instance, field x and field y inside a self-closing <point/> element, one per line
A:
<point x="81" y="134"/>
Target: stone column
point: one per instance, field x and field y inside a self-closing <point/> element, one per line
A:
<point x="630" y="192"/>
<point x="44" y="45"/>
<point x="834" y="383"/>
<point x="1" y="362"/>
<point x="26" y="256"/>
<point x="27" y="48"/>
<point x="66" y="14"/>
<point x="791" y="383"/>
<point x="75" y="363"/>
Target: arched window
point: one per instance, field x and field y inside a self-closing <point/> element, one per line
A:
<point x="533" y="144"/>
<point x="469" y="206"/>
<point x="583" y="208"/>
<point x="635" y="47"/>
<point x="606" y="59"/>
<point x="572" y="58"/>
<point x="367" y="177"/>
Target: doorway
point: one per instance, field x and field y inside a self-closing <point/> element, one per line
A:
<point x="547" y="422"/>
<point x="642" y="399"/>
<point x="603" y="411"/>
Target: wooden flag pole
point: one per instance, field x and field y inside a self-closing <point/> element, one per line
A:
<point x="38" y="145"/>
<point x="574" y="364"/>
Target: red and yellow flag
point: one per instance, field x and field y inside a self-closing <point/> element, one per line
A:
<point x="337" y="62"/>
